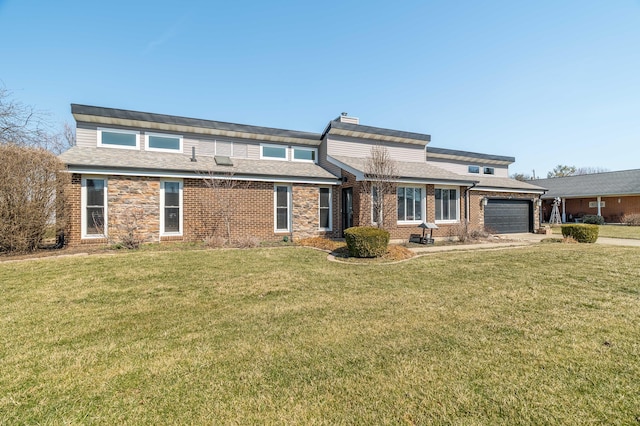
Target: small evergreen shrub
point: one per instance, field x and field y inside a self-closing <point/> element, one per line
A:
<point x="593" y="219"/>
<point x="582" y="233"/>
<point x="366" y="241"/>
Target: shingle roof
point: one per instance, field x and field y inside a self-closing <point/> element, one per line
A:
<point x="507" y="183"/>
<point x="131" y="160"/>
<point x="625" y="182"/>
<point x="409" y="170"/>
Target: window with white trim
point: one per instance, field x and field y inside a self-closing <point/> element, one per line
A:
<point x="170" y="207"/>
<point x="376" y="207"/>
<point x="163" y="142"/>
<point x="273" y="152"/>
<point x="447" y="205"/>
<point x="474" y="169"/>
<point x="116" y="138"/>
<point x="489" y="171"/>
<point x="305" y="154"/>
<point x="282" y="208"/>
<point x="324" y="212"/>
<point x="410" y="204"/>
<point x="94" y="207"/>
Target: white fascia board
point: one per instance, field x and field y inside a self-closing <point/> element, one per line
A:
<point x="179" y="175"/>
<point x="522" y="191"/>
<point x="435" y="182"/>
<point x="357" y="173"/>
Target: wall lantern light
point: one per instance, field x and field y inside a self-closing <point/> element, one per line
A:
<point x="485" y="201"/>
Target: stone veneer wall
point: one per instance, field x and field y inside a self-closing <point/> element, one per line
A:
<point x="134" y="206"/>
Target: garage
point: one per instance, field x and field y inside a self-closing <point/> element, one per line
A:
<point x="508" y="216"/>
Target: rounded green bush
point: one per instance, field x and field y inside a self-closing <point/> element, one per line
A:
<point x="366" y="241"/>
<point x="582" y="233"/>
<point x="593" y="219"/>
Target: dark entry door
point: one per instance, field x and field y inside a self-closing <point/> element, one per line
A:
<point x="508" y="216"/>
<point x="347" y="208"/>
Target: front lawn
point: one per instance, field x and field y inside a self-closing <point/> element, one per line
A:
<point x="541" y="335"/>
<point x="612" y="231"/>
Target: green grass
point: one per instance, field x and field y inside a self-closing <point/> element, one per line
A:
<point x="612" y="231"/>
<point x="540" y="335"/>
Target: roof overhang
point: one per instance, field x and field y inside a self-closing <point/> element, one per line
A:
<point x="179" y="174"/>
<point x="518" y="190"/>
<point x="375" y="136"/>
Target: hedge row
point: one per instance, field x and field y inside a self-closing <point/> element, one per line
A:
<point x="581" y="233"/>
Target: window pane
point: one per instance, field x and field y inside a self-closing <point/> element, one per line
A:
<point x="438" y="204"/>
<point x="282" y="199"/>
<point x="282" y="207"/>
<point x="171" y="219"/>
<point x="474" y="169"/>
<point x="488" y="170"/>
<point x="282" y="218"/>
<point x="418" y="203"/>
<point x="119" y="139"/>
<point x="274" y="152"/>
<point x="172" y="194"/>
<point x="304" y="154"/>
<point x="324" y="197"/>
<point x="324" y="207"/>
<point x="445" y="204"/>
<point x="324" y="218"/>
<point x="400" y="203"/>
<point x="95" y="220"/>
<point x="162" y="142"/>
<point x="95" y="192"/>
<point x="409" y="195"/>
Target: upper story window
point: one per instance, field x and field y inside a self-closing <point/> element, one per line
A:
<point x="290" y="153"/>
<point x="304" y="154"/>
<point x="273" y="152"/>
<point x="124" y="139"/>
<point x="474" y="169"/>
<point x="163" y="142"/>
<point x="489" y="171"/>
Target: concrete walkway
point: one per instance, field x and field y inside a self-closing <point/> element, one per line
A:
<point x="515" y="240"/>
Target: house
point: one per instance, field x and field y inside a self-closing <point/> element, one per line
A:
<point x="611" y="195"/>
<point x="171" y="178"/>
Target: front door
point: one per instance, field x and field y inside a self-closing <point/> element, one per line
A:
<point x="347" y="208"/>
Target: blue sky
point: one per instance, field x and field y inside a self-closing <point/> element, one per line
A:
<point x="548" y="82"/>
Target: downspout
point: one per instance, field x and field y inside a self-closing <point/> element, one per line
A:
<point x="467" y="202"/>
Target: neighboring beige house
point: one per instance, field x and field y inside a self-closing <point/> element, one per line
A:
<point x="147" y="173"/>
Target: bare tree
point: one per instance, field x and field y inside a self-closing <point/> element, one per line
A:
<point x="23" y="125"/>
<point x="381" y="175"/>
<point x="590" y="170"/>
<point x="224" y="189"/>
<point x="523" y="177"/>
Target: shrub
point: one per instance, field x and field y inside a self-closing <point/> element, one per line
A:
<point x="366" y="241"/>
<point x="582" y="233"/>
<point x="593" y="219"/>
<point x="632" y="219"/>
<point x="32" y="185"/>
